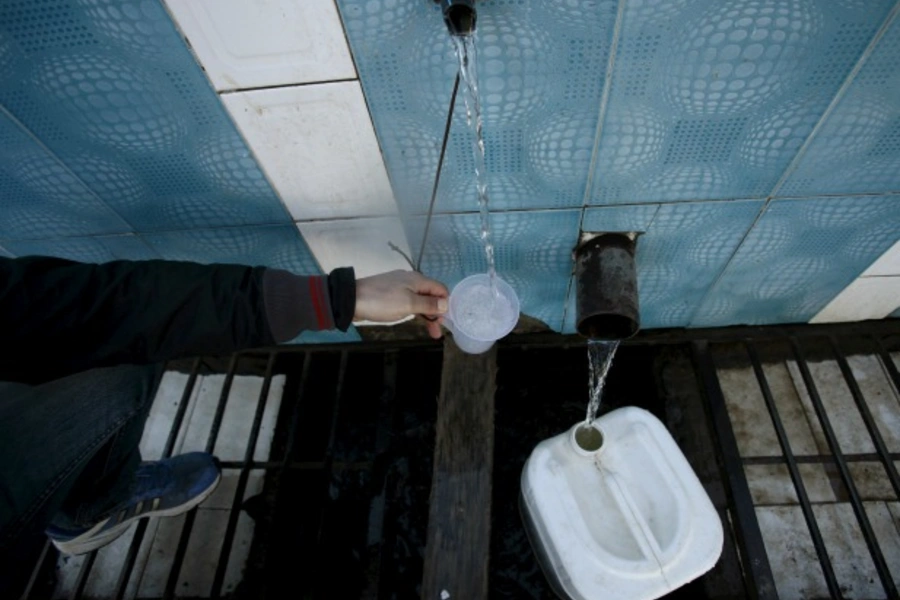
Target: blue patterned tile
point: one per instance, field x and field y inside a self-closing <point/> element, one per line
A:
<point x="97" y="249"/>
<point x="713" y="100"/>
<point x="110" y="89"/>
<point x="41" y="197"/>
<point x="798" y="257"/>
<point x="541" y="70"/>
<point x="857" y="149"/>
<point x="273" y="246"/>
<point x="619" y="218"/>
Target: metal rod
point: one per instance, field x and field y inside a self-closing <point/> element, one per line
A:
<point x="827" y="570"/>
<point x="643" y="338"/>
<point x="374" y="558"/>
<point x="332" y="434"/>
<point x="815" y="459"/>
<point x="38" y="567"/>
<point x="228" y="540"/>
<point x="83" y="574"/>
<point x="134" y="547"/>
<point x="437" y="175"/>
<point x="888" y="363"/>
<point x="130" y="558"/>
<point x="295" y="417"/>
<point x="181" y="550"/>
<point x="289" y="447"/>
<point x="182" y="409"/>
<point x="755" y="561"/>
<point x="881" y="567"/>
<point x="883" y="454"/>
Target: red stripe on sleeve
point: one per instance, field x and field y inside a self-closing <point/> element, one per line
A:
<point x="315" y="294"/>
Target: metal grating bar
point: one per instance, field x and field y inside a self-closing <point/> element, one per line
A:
<point x="83" y="574"/>
<point x="755" y="561"/>
<point x="289" y="449"/>
<point x="883" y="454"/>
<point x="827" y="570"/>
<point x="332" y="434"/>
<point x="375" y="558"/>
<point x="131" y="556"/>
<point x="39" y="566"/>
<point x="888" y="363"/>
<point x="816" y="459"/>
<point x="884" y="573"/>
<point x="295" y="416"/>
<point x="175" y="572"/>
<point x="233" y="516"/>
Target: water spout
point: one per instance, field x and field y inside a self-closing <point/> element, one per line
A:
<point x="460" y="16"/>
<point x="606" y="286"/>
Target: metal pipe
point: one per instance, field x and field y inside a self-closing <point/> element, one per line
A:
<point x="459" y="16"/>
<point x="606" y="286"/>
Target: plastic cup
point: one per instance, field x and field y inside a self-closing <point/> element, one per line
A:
<point x="476" y="317"/>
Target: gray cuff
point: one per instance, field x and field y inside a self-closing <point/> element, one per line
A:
<point x="295" y="304"/>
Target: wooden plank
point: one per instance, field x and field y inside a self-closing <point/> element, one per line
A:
<point x="459" y="519"/>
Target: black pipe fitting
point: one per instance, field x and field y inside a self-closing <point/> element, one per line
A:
<point x="459" y="16"/>
<point x="606" y="293"/>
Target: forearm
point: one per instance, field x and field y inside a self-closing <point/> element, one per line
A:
<point x="59" y="317"/>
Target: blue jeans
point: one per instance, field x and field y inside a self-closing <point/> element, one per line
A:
<point x="68" y="452"/>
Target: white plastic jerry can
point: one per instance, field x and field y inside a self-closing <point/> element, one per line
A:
<point x="614" y="510"/>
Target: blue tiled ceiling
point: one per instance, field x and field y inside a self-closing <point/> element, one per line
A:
<point x="114" y="146"/>
<point x="797" y="255"/>
<point x="755" y="143"/>
<point x="108" y="126"/>
<point x="687" y="120"/>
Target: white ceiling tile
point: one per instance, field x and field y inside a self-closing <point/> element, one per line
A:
<point x="865" y="298"/>
<point x="317" y="145"/>
<point x="887" y="264"/>
<point x="256" y="44"/>
<point x="358" y="243"/>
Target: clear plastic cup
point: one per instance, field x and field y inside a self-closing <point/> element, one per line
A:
<point x="477" y="317"/>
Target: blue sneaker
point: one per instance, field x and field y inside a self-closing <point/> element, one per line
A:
<point x="164" y="488"/>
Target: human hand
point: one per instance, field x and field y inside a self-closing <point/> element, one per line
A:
<point x="392" y="296"/>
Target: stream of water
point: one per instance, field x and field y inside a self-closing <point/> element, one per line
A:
<point x="465" y="52"/>
<point x="600" y="357"/>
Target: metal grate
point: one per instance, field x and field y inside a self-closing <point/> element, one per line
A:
<point x="797" y="348"/>
<point x="347" y="479"/>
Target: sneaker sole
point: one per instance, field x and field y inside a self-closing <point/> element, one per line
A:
<point x="90" y="540"/>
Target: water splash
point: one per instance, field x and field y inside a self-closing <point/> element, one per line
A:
<point x="465" y="52"/>
<point x="600" y="357"/>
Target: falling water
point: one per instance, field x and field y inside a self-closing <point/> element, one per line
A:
<point x="600" y="357"/>
<point x="465" y="51"/>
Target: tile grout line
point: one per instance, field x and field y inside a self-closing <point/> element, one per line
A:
<point x="451" y="213"/>
<point x="40" y="144"/>
<point x="604" y="102"/>
<point x="763" y="210"/>
<point x="839" y="95"/>
<point x="227" y="113"/>
<point x="384" y="163"/>
<point x="282" y="86"/>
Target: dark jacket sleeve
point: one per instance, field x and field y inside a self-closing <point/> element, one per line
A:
<point x="59" y="317"/>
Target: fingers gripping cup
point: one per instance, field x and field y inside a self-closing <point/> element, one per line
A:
<point x="478" y="316"/>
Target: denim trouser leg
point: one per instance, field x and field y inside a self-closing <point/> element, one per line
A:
<point x="69" y="447"/>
